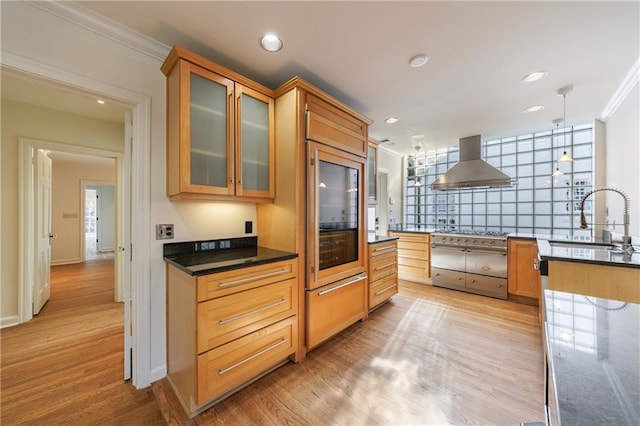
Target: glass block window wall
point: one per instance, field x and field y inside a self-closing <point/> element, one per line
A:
<point x="539" y="203"/>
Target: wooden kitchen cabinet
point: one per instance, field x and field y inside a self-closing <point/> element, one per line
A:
<point x="306" y="117"/>
<point x="383" y="272"/>
<point x="334" y="307"/>
<point x="220" y="134"/>
<point x="414" y="256"/>
<point x="226" y="329"/>
<point x="523" y="278"/>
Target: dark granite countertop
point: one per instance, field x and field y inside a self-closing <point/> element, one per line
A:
<point x="594" y="251"/>
<point x="595" y="359"/>
<point x="374" y="239"/>
<point x="206" y="257"/>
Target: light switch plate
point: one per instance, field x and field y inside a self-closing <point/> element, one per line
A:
<point x="164" y="231"/>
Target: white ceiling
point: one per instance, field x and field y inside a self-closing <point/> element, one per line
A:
<point x="359" y="52"/>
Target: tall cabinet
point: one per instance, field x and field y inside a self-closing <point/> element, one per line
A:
<point x="313" y="129"/>
<point x="220" y="136"/>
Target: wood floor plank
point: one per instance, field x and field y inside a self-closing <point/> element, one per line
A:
<point x="430" y="356"/>
<point x="66" y="365"/>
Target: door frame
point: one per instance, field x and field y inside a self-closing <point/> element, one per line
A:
<point x="140" y="145"/>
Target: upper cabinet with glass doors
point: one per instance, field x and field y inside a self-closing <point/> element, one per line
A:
<point x="220" y="138"/>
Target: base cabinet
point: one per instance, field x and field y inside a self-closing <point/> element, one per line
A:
<point x="414" y="256"/>
<point x="383" y="272"/>
<point x="226" y="329"/>
<point x="334" y="307"/>
<point x="523" y="278"/>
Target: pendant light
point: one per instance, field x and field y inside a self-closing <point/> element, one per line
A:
<point x="563" y="91"/>
<point x="557" y="122"/>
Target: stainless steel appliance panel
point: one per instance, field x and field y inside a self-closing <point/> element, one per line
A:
<point x="496" y="286"/>
<point x="448" y="277"/>
<point x="489" y="263"/>
<point x="452" y="258"/>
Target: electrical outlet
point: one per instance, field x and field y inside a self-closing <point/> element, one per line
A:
<point x="164" y="232"/>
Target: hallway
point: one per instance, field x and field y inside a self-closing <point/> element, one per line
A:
<point x="66" y="365"/>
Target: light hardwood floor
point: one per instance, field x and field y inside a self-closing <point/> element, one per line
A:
<point x="430" y="356"/>
<point x="66" y="365"/>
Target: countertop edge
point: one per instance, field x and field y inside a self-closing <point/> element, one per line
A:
<point x="214" y="270"/>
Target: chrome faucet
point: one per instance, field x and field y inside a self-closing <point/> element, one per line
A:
<point x="626" y="238"/>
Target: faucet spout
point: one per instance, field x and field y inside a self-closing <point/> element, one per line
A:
<point x="626" y="239"/>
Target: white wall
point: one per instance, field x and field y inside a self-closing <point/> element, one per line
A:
<point x="37" y="36"/>
<point x="623" y="159"/>
<point x="67" y="220"/>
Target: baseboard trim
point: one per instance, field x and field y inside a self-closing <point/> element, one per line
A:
<point x="9" y="321"/>
<point x="158" y="373"/>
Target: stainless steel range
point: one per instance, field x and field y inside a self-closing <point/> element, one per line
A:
<point x="475" y="262"/>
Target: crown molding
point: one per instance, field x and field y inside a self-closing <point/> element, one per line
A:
<point x="389" y="150"/>
<point x="628" y="83"/>
<point x="99" y="24"/>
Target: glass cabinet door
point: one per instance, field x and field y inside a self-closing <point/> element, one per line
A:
<point x="254" y="143"/>
<point x="209" y="132"/>
<point x="372" y="157"/>
<point x="336" y="202"/>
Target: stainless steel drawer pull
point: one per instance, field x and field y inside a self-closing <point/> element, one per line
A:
<point x="385" y="266"/>
<point x="385" y="248"/>
<point x="385" y="290"/>
<point x="360" y="278"/>
<point x="255" y="311"/>
<point x="262" y="352"/>
<point x="257" y="277"/>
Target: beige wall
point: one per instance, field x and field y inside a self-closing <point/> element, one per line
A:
<point x="67" y="220"/>
<point x="623" y="158"/>
<point x="28" y="121"/>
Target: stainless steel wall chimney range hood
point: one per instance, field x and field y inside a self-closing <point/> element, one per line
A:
<point x="471" y="171"/>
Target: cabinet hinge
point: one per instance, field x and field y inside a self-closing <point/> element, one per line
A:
<point x="313" y="161"/>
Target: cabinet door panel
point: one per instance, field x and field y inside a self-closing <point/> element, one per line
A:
<point x="254" y="143"/>
<point x="334" y="307"/>
<point x="207" y="121"/>
<point x="226" y="318"/>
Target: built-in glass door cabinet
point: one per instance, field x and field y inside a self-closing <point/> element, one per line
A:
<point x="372" y="173"/>
<point x="220" y="138"/>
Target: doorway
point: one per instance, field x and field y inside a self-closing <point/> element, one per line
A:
<point x="99" y="221"/>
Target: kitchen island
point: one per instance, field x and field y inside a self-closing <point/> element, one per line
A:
<point x="592" y="332"/>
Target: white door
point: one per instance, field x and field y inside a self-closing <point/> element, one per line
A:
<point x="105" y="220"/>
<point x="42" y="288"/>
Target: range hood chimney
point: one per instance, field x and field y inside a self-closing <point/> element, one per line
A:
<point x="471" y="171"/>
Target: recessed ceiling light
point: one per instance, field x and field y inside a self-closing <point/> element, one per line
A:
<point x="100" y="101"/>
<point x="271" y="42"/>
<point x="417" y="136"/>
<point x="391" y="120"/>
<point x="534" y="108"/>
<point x="534" y="76"/>
<point x="418" y="60"/>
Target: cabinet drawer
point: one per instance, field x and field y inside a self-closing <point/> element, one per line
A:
<point x="382" y="248"/>
<point x="448" y="277"/>
<point x="228" y="366"/>
<point x="421" y="264"/>
<point x="413" y="246"/>
<point x="223" y="283"/>
<point x="334" y="307"/>
<point x="382" y="289"/>
<point x="329" y="125"/>
<point x="491" y="284"/>
<point x="226" y="318"/>
<point x="382" y="266"/>
<point x="414" y="238"/>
